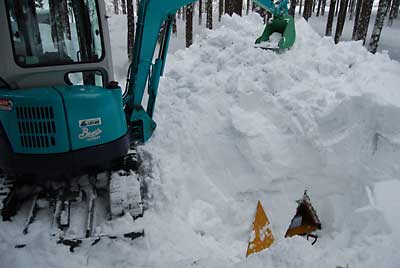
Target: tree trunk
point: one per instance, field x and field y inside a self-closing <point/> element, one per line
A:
<point x="174" y="27"/>
<point x="292" y="7"/>
<point x="247" y="7"/>
<point x="319" y="7"/>
<point x="331" y="14"/>
<point x="313" y="6"/>
<point x="28" y="27"/>
<point x="229" y="7"/>
<point x="323" y="7"/>
<point x="394" y="11"/>
<point x="116" y="7"/>
<point x="189" y="25"/>
<point x="300" y="6"/>
<point x="237" y="6"/>
<point x="123" y="6"/>
<point x="376" y="33"/>
<point x="356" y="19"/>
<point x="200" y="12"/>
<point x="220" y="9"/>
<point x="365" y="14"/>
<point x="307" y="9"/>
<point x="351" y="11"/>
<point x="57" y="25"/>
<point x="337" y="7"/>
<point x="389" y="4"/>
<point x="179" y="12"/>
<point x="131" y="28"/>
<point x="66" y="25"/>
<point x="341" y="19"/>
<point x="209" y="7"/>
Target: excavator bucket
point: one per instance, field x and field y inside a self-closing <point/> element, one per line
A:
<point x="261" y="236"/>
<point x="305" y="221"/>
<point x="283" y="25"/>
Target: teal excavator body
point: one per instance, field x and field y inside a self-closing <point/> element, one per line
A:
<point x="60" y="111"/>
<point x="281" y="23"/>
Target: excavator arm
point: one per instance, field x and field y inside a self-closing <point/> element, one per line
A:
<point x="143" y="71"/>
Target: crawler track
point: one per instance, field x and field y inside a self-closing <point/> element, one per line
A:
<point x="84" y="207"/>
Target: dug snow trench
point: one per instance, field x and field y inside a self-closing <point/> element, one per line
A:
<point x="237" y="124"/>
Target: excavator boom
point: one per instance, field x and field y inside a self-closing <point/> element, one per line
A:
<point x="152" y="15"/>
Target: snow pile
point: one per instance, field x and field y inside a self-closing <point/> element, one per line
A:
<point x="238" y="124"/>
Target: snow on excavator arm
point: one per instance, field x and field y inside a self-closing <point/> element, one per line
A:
<point x="152" y="14"/>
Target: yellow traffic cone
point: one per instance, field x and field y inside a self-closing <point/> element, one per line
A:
<point x="261" y="236"/>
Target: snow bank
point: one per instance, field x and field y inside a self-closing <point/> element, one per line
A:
<point x="237" y="124"/>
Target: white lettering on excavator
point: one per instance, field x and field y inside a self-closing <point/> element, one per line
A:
<point x="90" y="122"/>
<point x="90" y="135"/>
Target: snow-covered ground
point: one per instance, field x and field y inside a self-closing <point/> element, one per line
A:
<point x="237" y="124"/>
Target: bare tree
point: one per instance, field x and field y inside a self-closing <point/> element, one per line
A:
<point x="131" y="28"/>
<point x="337" y="7"/>
<point x="179" y="13"/>
<point x="123" y="6"/>
<point x="229" y="7"/>
<point x="351" y="9"/>
<point x="376" y="33"/>
<point x="363" y="21"/>
<point x="307" y="9"/>
<point x="116" y="7"/>
<point x="65" y="19"/>
<point x="247" y="7"/>
<point x="300" y="5"/>
<point x="189" y="25"/>
<point x="394" y="11"/>
<point x="341" y="19"/>
<point x="389" y="4"/>
<point x="237" y="6"/>
<point x="174" y="26"/>
<point x="220" y="9"/>
<point x="323" y="7"/>
<point x="329" y="23"/>
<point x="209" y="21"/>
<point x="57" y="25"/>
<point x="292" y="7"/>
<point x="319" y="7"/>
<point x="357" y="17"/>
<point x="200" y="12"/>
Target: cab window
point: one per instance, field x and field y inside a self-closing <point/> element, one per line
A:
<point x="55" y="32"/>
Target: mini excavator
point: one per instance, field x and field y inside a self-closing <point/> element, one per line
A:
<point x="67" y="132"/>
